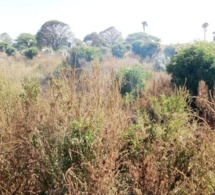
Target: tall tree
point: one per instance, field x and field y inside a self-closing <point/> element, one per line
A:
<point x="25" y="40"/>
<point x="54" y="34"/>
<point x="94" y="39"/>
<point x="5" y="38"/>
<point x="111" y="35"/>
<point x="145" y="24"/>
<point x="213" y="36"/>
<point x="205" y="26"/>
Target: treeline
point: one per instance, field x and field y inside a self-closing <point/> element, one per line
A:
<point x="57" y="36"/>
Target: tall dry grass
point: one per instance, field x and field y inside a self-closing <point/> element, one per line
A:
<point x="78" y="135"/>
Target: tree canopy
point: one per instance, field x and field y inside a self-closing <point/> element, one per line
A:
<point x="193" y="63"/>
<point x="94" y="39"/>
<point x="5" y="38"/>
<point x="111" y="35"/>
<point x="54" y="34"/>
<point x="25" y="40"/>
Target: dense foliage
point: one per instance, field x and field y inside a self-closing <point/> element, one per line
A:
<point x="119" y="50"/>
<point x="10" y="50"/>
<point x="79" y="135"/>
<point x="132" y="79"/>
<point x="80" y="54"/>
<point x="24" y="41"/>
<point x="193" y="63"/>
<point x="31" y="52"/>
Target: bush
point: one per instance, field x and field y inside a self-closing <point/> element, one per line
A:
<point x="193" y="63"/>
<point x="31" y="52"/>
<point x="132" y="79"/>
<point x="79" y="53"/>
<point x="10" y="50"/>
<point x="3" y="46"/>
<point x="119" y="50"/>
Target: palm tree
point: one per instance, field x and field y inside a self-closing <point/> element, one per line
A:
<point x="144" y="23"/>
<point x="204" y="26"/>
<point x="214" y="37"/>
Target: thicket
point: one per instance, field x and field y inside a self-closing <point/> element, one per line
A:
<point x="193" y="63"/>
<point x="79" y="135"/>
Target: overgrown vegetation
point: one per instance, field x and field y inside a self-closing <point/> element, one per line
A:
<point x="81" y="134"/>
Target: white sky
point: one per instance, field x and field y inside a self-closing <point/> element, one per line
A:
<point x="174" y="21"/>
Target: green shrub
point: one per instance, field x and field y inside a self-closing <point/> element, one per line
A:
<point x="79" y="53"/>
<point x="31" y="52"/>
<point x="3" y="46"/>
<point x="10" y="50"/>
<point x="132" y="79"/>
<point x="193" y="63"/>
<point x="119" y="50"/>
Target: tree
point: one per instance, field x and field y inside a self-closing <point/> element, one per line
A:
<point x="169" y="51"/>
<point x="145" y="24"/>
<point x="193" y="63"/>
<point x="80" y="54"/>
<point x="111" y="35"/>
<point x="31" y="52"/>
<point x="54" y="34"/>
<point x="141" y="36"/>
<point x="204" y="26"/>
<point x="94" y="39"/>
<point x="3" y="46"/>
<point x="144" y="49"/>
<point x="132" y="80"/>
<point x="10" y="50"/>
<point x="5" y="38"/>
<point x="25" y="40"/>
<point x="213" y="36"/>
<point x="119" y="50"/>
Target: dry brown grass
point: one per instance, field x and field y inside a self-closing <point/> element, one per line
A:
<point x="79" y="136"/>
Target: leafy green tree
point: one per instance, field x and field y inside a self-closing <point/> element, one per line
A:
<point x="119" y="50"/>
<point x="31" y="52"/>
<point x="5" y="38"/>
<point x="94" y="39"/>
<point x="10" y="50"/>
<point x="141" y="36"/>
<point x="54" y="34"/>
<point x="3" y="46"/>
<point x="111" y="35"/>
<point x="132" y="79"/>
<point x="25" y="40"/>
<point x="145" y="49"/>
<point x="193" y="63"/>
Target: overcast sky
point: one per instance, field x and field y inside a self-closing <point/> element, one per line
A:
<point x="174" y="21"/>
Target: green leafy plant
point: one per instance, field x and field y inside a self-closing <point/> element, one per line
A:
<point x="31" y="52"/>
<point x="193" y="63"/>
<point x="132" y="79"/>
<point x="119" y="50"/>
<point x="79" y="53"/>
<point x="10" y="50"/>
